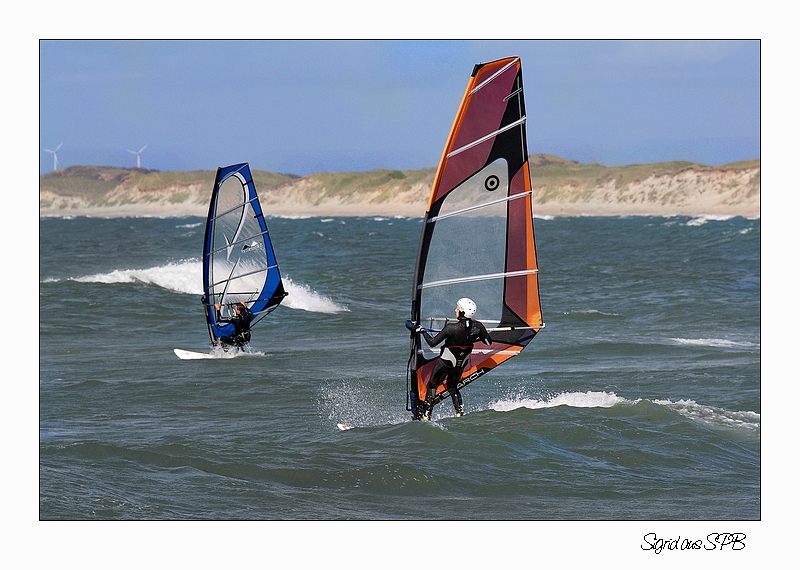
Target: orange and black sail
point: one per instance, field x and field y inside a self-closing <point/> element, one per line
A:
<point x="477" y="238"/>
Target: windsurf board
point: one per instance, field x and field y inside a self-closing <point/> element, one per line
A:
<point x="189" y="355"/>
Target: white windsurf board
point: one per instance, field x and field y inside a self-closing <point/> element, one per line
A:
<point x="189" y="355"/>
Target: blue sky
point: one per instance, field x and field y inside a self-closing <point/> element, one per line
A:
<point x="308" y="106"/>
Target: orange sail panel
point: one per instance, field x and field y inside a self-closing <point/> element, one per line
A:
<point x="477" y="239"/>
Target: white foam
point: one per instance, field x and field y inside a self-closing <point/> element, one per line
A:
<point x="716" y="342"/>
<point x="187" y="277"/>
<point x="220" y="352"/>
<point x="591" y="312"/>
<point x="305" y="298"/>
<point x="182" y="276"/>
<point x="690" y="409"/>
<point x="713" y="416"/>
<point x="700" y="220"/>
<point x="573" y="399"/>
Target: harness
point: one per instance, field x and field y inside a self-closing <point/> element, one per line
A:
<point x="455" y="356"/>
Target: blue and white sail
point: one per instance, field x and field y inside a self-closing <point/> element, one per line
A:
<point x="238" y="259"/>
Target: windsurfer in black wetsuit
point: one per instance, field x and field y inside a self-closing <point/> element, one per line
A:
<point x="459" y="338"/>
<point x="241" y="325"/>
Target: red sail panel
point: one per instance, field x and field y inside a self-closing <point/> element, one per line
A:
<point x="522" y="292"/>
<point x="479" y="116"/>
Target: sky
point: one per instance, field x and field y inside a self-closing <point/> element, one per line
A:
<point x="306" y="106"/>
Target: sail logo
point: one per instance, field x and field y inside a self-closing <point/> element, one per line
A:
<point x="492" y="183"/>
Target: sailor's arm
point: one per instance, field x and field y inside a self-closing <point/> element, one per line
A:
<point x="218" y="307"/>
<point x="487" y="340"/>
<point x="419" y="329"/>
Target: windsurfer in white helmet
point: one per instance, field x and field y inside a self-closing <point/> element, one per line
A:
<point x="459" y="338"/>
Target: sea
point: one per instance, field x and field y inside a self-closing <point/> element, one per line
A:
<point x="640" y="400"/>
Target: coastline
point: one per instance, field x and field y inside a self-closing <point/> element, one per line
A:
<point x="559" y="189"/>
<point x="554" y="210"/>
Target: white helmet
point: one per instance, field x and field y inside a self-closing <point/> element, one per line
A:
<point x="467" y="306"/>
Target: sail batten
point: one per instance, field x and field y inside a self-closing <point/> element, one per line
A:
<point x="477" y="238"/>
<point x="233" y="277"/>
<point x="233" y="209"/>
<point x="478" y="207"/>
<point x="485" y="138"/>
<point x="477" y="278"/>
<point x="237" y="269"/>
<point x="490" y="79"/>
<point x="239" y="241"/>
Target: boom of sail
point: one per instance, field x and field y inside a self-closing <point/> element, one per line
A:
<point x="238" y="259"/>
<point x="477" y="238"/>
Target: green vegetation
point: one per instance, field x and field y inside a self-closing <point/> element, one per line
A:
<point x="554" y="176"/>
<point x="553" y="179"/>
<point x="156" y="179"/>
<point x="349" y="186"/>
<point x="94" y="183"/>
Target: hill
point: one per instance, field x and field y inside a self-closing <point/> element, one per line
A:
<point x="561" y="187"/>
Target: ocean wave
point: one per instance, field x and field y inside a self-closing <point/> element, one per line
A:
<point x="690" y="409"/>
<point x="182" y="276"/>
<point x="710" y="415"/>
<point x="573" y="399"/>
<point x="716" y="342"/>
<point x="591" y="312"/>
<point x="187" y="277"/>
<point x="705" y="218"/>
<point x="303" y="297"/>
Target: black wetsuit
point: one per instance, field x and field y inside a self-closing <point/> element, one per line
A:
<point x="241" y="324"/>
<point x="459" y="338"/>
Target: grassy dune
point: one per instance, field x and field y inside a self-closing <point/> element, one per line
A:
<point x="560" y="187"/>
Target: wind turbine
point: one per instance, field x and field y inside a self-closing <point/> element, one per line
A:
<point x="138" y="159"/>
<point x="55" y="156"/>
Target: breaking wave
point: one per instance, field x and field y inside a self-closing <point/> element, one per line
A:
<point x="187" y="277"/>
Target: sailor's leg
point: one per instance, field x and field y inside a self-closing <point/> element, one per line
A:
<point x="455" y="395"/>
<point x="435" y="380"/>
<point x="458" y="404"/>
<point x="427" y="405"/>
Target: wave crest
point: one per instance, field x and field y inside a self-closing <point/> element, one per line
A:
<point x="573" y="399"/>
<point x="187" y="277"/>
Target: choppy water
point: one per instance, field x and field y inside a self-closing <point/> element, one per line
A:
<point x="641" y="400"/>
